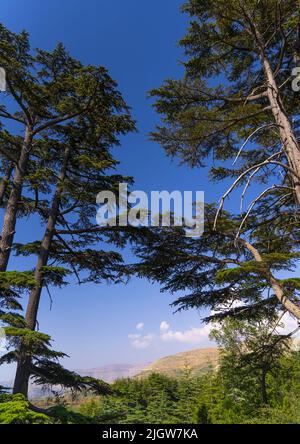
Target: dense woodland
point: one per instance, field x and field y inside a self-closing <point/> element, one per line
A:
<point x="234" y="112"/>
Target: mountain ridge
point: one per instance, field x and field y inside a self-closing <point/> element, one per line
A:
<point x="199" y="361"/>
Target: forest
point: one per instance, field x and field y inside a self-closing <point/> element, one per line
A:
<point x="233" y="115"/>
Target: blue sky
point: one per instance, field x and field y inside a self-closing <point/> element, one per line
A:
<point x="137" y="41"/>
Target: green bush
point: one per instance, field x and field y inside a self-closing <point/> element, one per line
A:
<point x="14" y="409"/>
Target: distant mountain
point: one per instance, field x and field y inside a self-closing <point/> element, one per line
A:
<point x="110" y="373"/>
<point x="198" y="361"/>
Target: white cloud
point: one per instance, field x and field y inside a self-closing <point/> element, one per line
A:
<point x="133" y="336"/>
<point x="193" y="335"/>
<point x="164" y="326"/>
<point x="141" y="341"/>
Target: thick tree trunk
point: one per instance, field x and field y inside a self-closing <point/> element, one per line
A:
<point x="5" y="182"/>
<point x="287" y="136"/>
<point x="10" y="217"/>
<point x="22" y="376"/>
<point x="23" y="367"/>
<point x="288" y="139"/>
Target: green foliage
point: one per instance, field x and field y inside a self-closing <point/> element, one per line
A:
<point x="72" y="116"/>
<point x="231" y="395"/>
<point x="15" y="409"/>
<point x="47" y="372"/>
<point x="251" y="353"/>
<point x="257" y="381"/>
<point x="61" y="415"/>
<point x="220" y="100"/>
<point x="16" y="279"/>
<point x="220" y="114"/>
<point x="217" y="270"/>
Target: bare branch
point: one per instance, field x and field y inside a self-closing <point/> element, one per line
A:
<point x="7" y="115"/>
<point x="241" y="176"/>
<point x="247" y="186"/>
<point x="250" y="136"/>
<point x="254" y="202"/>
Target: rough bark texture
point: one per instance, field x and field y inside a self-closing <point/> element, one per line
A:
<point x="23" y="367"/>
<point x="288" y="139"/>
<point x="289" y="145"/>
<point x="287" y="136"/>
<point x="5" y="182"/>
<point x="10" y="217"/>
<point x="22" y="376"/>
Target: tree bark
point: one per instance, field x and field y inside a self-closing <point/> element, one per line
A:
<point x="287" y="135"/>
<point x="10" y="217"/>
<point x="5" y="181"/>
<point x="22" y="376"/>
<point x="288" y="138"/>
<point x="23" y="366"/>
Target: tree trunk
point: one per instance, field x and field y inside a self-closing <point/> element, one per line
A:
<point x="10" y="217"/>
<point x="263" y="387"/>
<point x="287" y="136"/>
<point x="22" y="376"/>
<point x="23" y="367"/>
<point x="5" y="181"/>
<point x="289" y="142"/>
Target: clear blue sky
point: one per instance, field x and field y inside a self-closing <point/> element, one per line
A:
<point x="137" y="41"/>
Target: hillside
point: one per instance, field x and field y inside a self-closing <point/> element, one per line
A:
<point x="199" y="361"/>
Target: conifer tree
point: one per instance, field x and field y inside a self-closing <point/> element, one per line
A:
<point x="47" y="90"/>
<point x="70" y="230"/>
<point x="237" y="86"/>
<point x="250" y="352"/>
<point x="72" y="116"/>
<point x="187" y="390"/>
<point x="235" y="104"/>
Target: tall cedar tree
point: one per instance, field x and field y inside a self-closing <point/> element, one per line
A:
<point x="237" y="86"/>
<point x="72" y="115"/>
<point x="236" y="103"/>
<point x="48" y="89"/>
